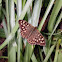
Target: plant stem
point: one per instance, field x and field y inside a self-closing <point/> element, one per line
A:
<point x="46" y="14"/>
<point x="19" y="43"/>
<point x="7" y="14"/>
<point x="49" y="53"/>
<point x="57" y="50"/>
<point x="54" y="14"/>
<point x="12" y="44"/>
<point x="57" y="23"/>
<point x="11" y="35"/>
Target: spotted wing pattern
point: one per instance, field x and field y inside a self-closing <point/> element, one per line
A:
<point x="36" y="38"/>
<point x="26" y="28"/>
<point x="31" y="33"/>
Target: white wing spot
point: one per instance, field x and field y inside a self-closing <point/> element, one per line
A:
<point x="35" y="39"/>
<point x="20" y="21"/>
<point x="41" y="42"/>
<point x="25" y="31"/>
<point x="39" y="38"/>
<point x="27" y="25"/>
<point x="22" y="27"/>
<point x="42" y="39"/>
<point x="38" y="34"/>
<point x="23" y="22"/>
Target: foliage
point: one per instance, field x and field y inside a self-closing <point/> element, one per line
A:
<point x="18" y="48"/>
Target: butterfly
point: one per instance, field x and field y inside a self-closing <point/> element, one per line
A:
<point x="31" y="33"/>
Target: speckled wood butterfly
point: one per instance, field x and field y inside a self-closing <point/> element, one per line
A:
<point x="31" y="33"/>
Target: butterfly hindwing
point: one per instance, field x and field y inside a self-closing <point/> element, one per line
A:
<point x="36" y="38"/>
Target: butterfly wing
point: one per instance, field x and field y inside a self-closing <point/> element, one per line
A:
<point x="32" y="35"/>
<point x="36" y="38"/>
<point x="26" y="28"/>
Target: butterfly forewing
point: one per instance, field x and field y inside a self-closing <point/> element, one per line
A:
<point x="26" y="28"/>
<point x="36" y="38"/>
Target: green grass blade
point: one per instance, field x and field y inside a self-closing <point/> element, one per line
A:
<point x="46" y="14"/>
<point x="0" y="1"/>
<point x="2" y="33"/>
<point x="33" y="58"/>
<point x="19" y="47"/>
<point x="8" y="25"/>
<point x="4" y="57"/>
<point x="57" y="23"/>
<point x="41" y="57"/>
<point x="28" y="52"/>
<point x="57" y="50"/>
<point x="35" y="15"/>
<point x="36" y="12"/>
<point x="54" y="14"/>
<point x="49" y="38"/>
<point x="11" y="46"/>
<point x="49" y="53"/>
<point x="60" y="56"/>
<point x="12" y="53"/>
<point x="7" y="14"/>
<point x="19" y="39"/>
<point x="0" y="9"/>
<point x="11" y="35"/>
<point x="23" y="2"/>
<point x="5" y="28"/>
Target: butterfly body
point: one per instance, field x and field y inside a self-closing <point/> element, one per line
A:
<point x="31" y="33"/>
